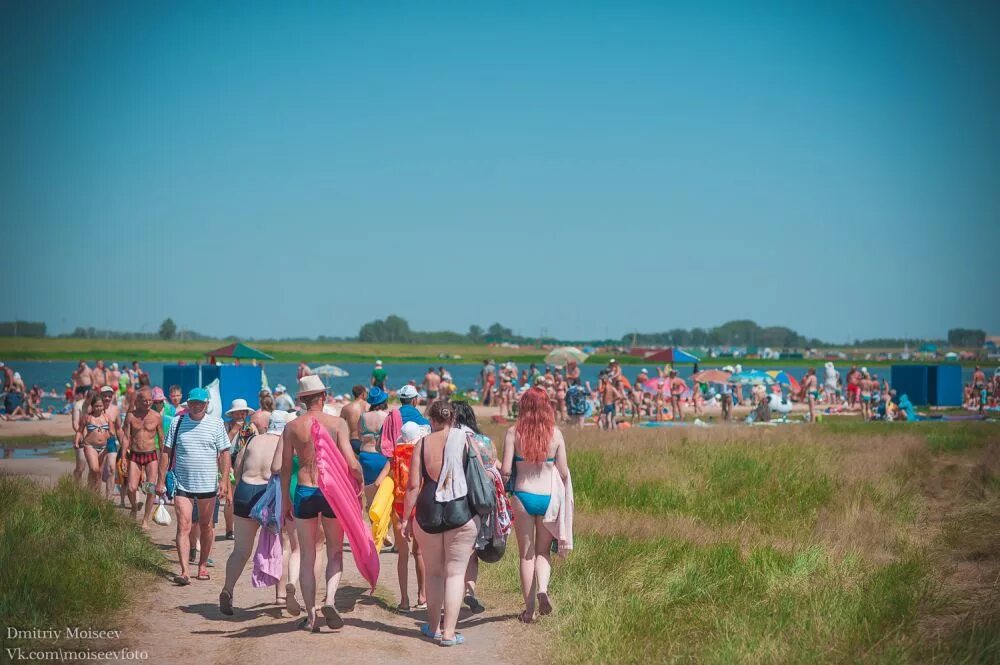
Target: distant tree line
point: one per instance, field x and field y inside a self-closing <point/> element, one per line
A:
<point x="22" y="329"/>
<point x="732" y="333"/>
<point x="168" y="330"/>
<point x="965" y="337"/>
<point x="395" y="329"/>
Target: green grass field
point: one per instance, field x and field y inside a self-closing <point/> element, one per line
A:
<point x="844" y="543"/>
<point x="25" y="348"/>
<point x="67" y="557"/>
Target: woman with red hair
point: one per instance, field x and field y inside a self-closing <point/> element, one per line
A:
<point x="536" y="446"/>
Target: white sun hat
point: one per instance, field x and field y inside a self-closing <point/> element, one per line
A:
<point x="412" y="431"/>
<point x="239" y="405"/>
<point x="276" y="425"/>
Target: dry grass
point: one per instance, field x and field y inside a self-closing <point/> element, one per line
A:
<point x="790" y="544"/>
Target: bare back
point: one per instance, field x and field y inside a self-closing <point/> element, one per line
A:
<point x="261" y="419"/>
<point x="298" y="441"/>
<point x="254" y="463"/>
<point x="535" y="477"/>
<point x="432" y="452"/>
<point x="351" y="413"/>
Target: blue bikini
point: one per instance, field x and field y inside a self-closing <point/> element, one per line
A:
<point x="371" y="463"/>
<point x="534" y="504"/>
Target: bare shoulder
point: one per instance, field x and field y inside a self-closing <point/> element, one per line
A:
<point x="330" y="422"/>
<point x="297" y="428"/>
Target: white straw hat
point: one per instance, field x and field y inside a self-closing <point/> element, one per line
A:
<point x="310" y="385"/>
<point x="239" y="405"/>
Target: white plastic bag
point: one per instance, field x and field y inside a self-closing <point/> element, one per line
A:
<point x="215" y="406"/>
<point x="161" y="515"/>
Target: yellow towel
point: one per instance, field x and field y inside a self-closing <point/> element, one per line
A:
<point x="380" y="512"/>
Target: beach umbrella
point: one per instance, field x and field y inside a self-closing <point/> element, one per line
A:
<point x="564" y="355"/>
<point x="240" y="351"/>
<point x="712" y="376"/>
<point x="782" y="377"/>
<point x="330" y="370"/>
<point x="752" y="377"/>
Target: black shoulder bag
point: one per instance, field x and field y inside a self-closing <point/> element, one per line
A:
<point x="435" y="516"/>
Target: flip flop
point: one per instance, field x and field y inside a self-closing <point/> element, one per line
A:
<point x="203" y="576"/>
<point x="544" y="604"/>
<point x="459" y="639"/>
<point x="226" y="603"/>
<point x="291" y="605"/>
<point x="529" y="619"/>
<point x="420" y="606"/>
<point x="402" y="608"/>
<point x="425" y="630"/>
<point x="473" y="604"/>
<point x="304" y="625"/>
<point x="182" y="580"/>
<point x="333" y="619"/>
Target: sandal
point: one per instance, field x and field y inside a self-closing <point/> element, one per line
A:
<point x="226" y="603"/>
<point x="203" y="575"/>
<point x="459" y="639"/>
<point x="420" y="606"/>
<point x="182" y="580"/>
<point x="304" y="625"/>
<point x="524" y="617"/>
<point x="402" y="608"/>
<point x="333" y="620"/>
<point x="425" y="630"/>
<point x="473" y="604"/>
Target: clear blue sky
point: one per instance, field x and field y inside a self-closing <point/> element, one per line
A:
<point x="281" y="169"/>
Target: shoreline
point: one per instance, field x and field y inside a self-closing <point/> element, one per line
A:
<point x="72" y="349"/>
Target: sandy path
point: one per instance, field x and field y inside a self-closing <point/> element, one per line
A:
<point x="57" y="425"/>
<point x="183" y="624"/>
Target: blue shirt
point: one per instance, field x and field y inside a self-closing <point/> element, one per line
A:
<point x="411" y="415"/>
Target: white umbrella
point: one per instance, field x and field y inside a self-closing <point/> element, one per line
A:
<point x="564" y="355"/>
<point x="330" y="370"/>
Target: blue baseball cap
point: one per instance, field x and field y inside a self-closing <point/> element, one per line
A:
<point x="198" y="395"/>
<point x="376" y="396"/>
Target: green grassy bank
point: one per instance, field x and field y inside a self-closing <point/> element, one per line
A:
<point x="67" y="558"/>
<point x="848" y="543"/>
<point x="24" y="348"/>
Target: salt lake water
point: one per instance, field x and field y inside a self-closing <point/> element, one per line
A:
<point x="53" y="375"/>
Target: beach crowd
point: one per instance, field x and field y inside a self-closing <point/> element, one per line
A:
<point x="406" y="471"/>
<point x="301" y="473"/>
